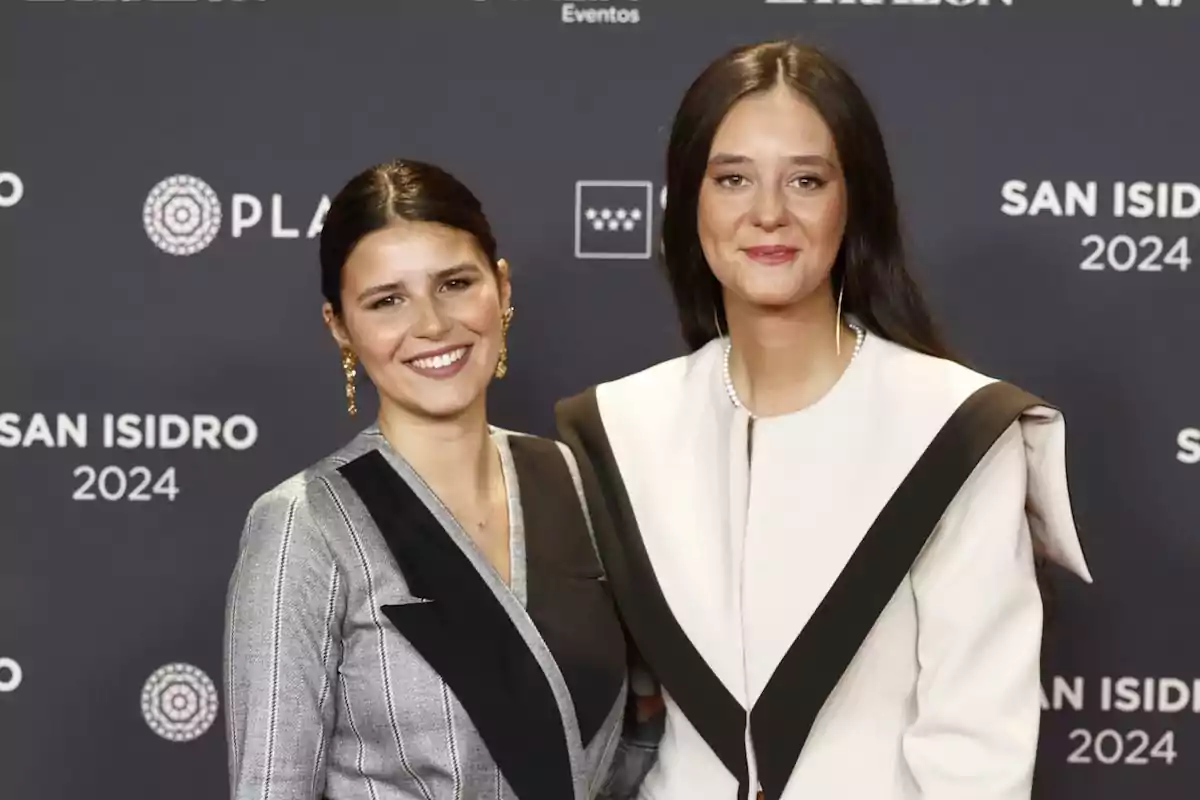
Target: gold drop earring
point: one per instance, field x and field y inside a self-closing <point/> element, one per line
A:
<point x="502" y="364"/>
<point x="351" y="372"/>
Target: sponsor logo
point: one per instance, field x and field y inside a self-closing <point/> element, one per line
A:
<point x="1135" y="250"/>
<point x="12" y="189"/>
<point x="613" y="219"/>
<point x="1155" y="702"/>
<point x="1136" y="199"/>
<point x="129" y="431"/>
<point x="599" y="12"/>
<point x="179" y="702"/>
<point x="10" y="675"/>
<point x="1189" y="446"/>
<point x="1124" y="694"/>
<point x="183" y="215"/>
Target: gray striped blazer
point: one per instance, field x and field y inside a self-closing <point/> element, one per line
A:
<point x="372" y="652"/>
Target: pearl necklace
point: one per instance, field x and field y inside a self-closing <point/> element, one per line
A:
<point x="859" y="335"/>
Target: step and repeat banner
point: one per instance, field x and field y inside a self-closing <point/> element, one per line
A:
<point x="165" y="168"/>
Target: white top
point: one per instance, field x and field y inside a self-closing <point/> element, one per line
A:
<point x="942" y="701"/>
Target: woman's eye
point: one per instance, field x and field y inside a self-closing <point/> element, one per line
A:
<point x="384" y="302"/>
<point x="730" y="181"/>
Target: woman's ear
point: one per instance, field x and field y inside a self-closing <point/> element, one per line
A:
<point x="337" y="328"/>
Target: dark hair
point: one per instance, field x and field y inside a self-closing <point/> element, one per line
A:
<point x="879" y="291"/>
<point x="397" y="190"/>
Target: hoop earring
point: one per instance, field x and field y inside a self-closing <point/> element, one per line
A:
<point x="502" y="364"/>
<point x="837" y="322"/>
<point x="717" y="322"/>
<point x="351" y="372"/>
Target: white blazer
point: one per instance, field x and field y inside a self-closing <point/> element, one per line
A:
<point x="732" y="575"/>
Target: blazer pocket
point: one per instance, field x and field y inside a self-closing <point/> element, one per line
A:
<point x="419" y="621"/>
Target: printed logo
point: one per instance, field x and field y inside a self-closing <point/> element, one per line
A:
<point x="1132" y="251"/>
<point x="182" y="215"/>
<point x="10" y="675"/>
<point x="600" y="12"/>
<point x="1158" y="3"/>
<point x="179" y="702"/>
<point x="1189" y="448"/>
<point x="11" y="189"/>
<point x="613" y="219"/>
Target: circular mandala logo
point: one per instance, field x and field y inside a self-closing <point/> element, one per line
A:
<point x="179" y="702"/>
<point x="11" y="189"/>
<point x="10" y="675"/>
<point x="182" y="215"/>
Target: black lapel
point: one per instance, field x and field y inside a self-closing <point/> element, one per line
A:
<point x="465" y="634"/>
<point x="568" y="599"/>
<point x="704" y="700"/>
<point x="784" y="714"/>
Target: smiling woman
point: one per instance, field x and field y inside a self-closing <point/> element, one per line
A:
<point x="427" y="301"/>
<point x="422" y="613"/>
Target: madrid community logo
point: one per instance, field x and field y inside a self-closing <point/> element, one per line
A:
<point x="182" y="215"/>
<point x="613" y="219"/>
<point x="179" y="702"/>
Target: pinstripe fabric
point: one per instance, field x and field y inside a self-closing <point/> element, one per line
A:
<point x="325" y="698"/>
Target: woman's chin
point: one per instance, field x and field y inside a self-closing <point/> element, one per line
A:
<point x="443" y="403"/>
<point x="773" y="301"/>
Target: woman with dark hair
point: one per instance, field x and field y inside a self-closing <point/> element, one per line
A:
<point x="820" y="529"/>
<point x="421" y="615"/>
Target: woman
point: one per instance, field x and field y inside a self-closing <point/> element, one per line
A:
<point x="819" y="529"/>
<point x="421" y="614"/>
